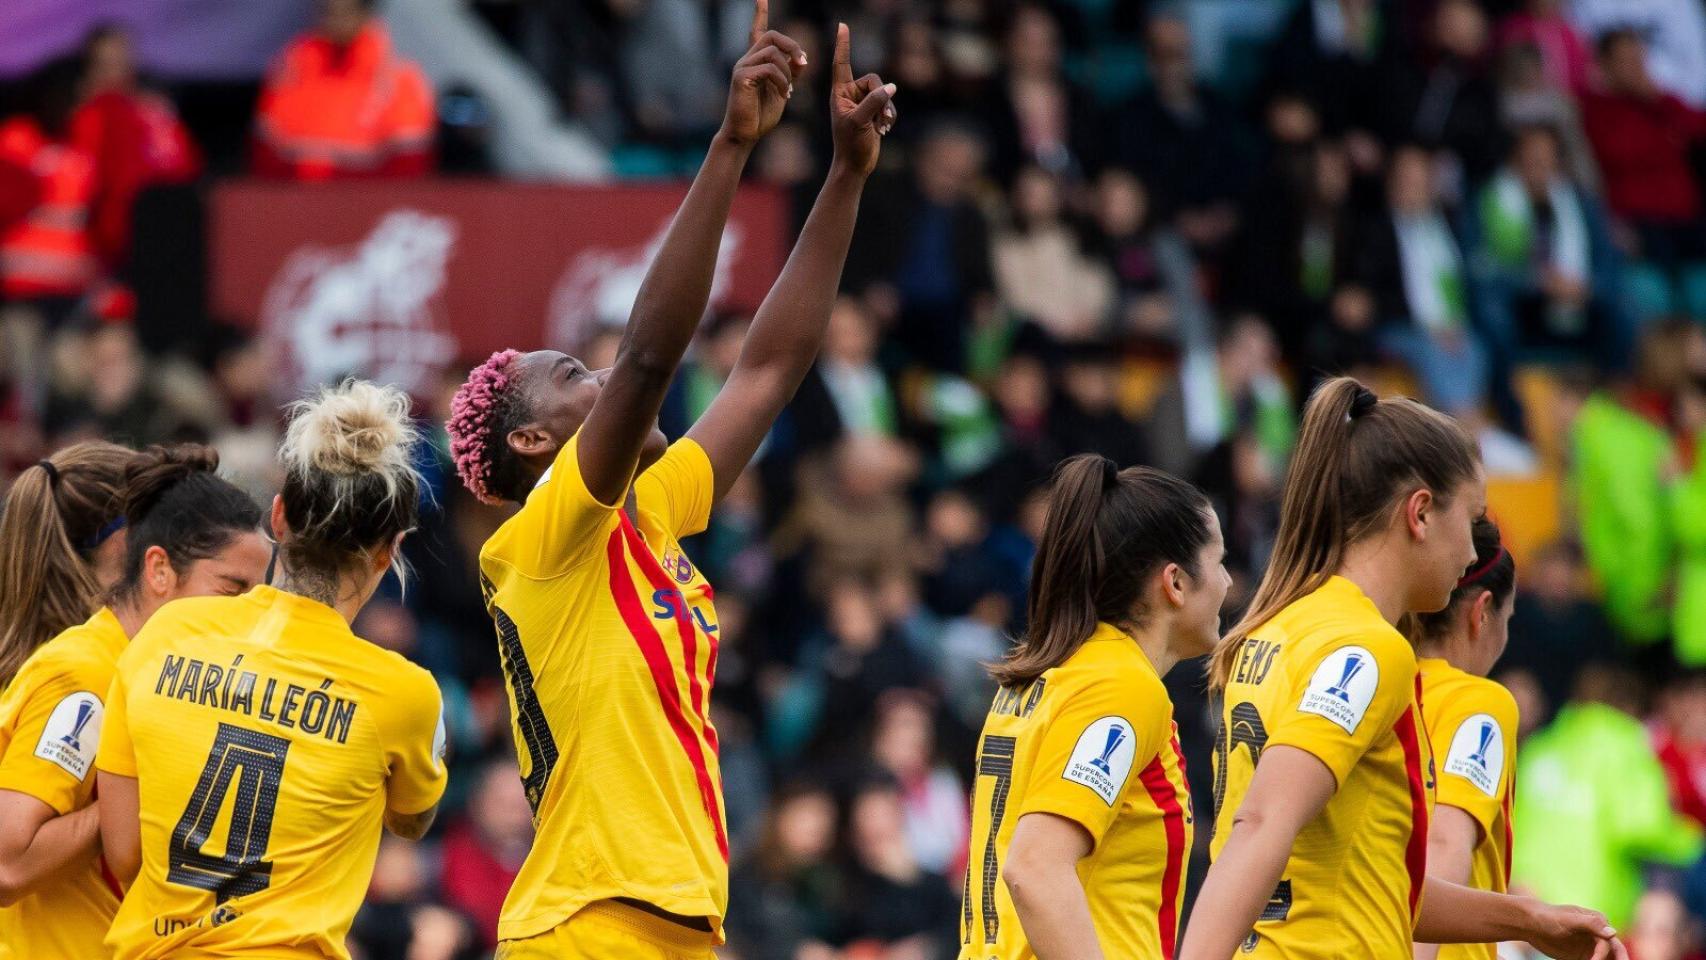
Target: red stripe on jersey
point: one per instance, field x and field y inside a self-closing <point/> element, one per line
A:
<point x="108" y="877"/>
<point x="1166" y="799"/>
<point x="1416" y="851"/>
<point x="684" y="627"/>
<point x="1510" y="791"/>
<point x="646" y="637"/>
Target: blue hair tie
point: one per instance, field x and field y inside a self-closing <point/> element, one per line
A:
<point x="102" y="535"/>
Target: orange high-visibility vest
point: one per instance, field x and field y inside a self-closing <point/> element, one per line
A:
<point x="48" y="253"/>
<point x="328" y="112"/>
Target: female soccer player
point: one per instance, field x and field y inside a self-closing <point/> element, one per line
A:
<point x="253" y="745"/>
<point x="606" y="630"/>
<point x="1081" y="818"/>
<point x="1323" y="775"/>
<point x="189" y="533"/>
<point x="61" y="545"/>
<point x="1471" y="724"/>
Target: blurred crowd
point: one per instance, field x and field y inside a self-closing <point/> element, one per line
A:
<point x="1140" y="229"/>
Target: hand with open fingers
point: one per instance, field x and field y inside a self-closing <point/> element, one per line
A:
<point x="1574" y="933"/>
<point x="861" y="111"/>
<point x="763" y="80"/>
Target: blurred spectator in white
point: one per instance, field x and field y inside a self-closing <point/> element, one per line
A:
<point x="1036" y="116"/>
<point x="1547" y="270"/>
<point x="1642" y="136"/>
<point x="920" y="252"/>
<point x="1593" y="804"/>
<point x="1674" y="32"/>
<point x="1566" y="61"/>
<point x="784" y="897"/>
<point x="1188" y="146"/>
<point x="1041" y="269"/>
<point x="340" y="102"/>
<point x="484" y="850"/>
<point x="903" y="743"/>
<point x="897" y="909"/>
<point x="848" y="392"/>
<point x="132" y="132"/>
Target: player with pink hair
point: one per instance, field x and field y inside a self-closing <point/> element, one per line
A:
<point x="607" y="633"/>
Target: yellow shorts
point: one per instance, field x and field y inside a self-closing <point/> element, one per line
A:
<point x="612" y="931"/>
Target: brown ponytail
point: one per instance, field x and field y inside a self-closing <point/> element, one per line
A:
<point x="1356" y="455"/>
<point x="1108" y="530"/>
<point x="53" y="517"/>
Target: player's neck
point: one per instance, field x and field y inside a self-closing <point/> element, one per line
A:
<point x="1368" y="565"/>
<point x="1153" y="643"/>
<point x="130" y="615"/>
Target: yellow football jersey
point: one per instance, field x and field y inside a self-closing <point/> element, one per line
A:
<point x="608" y="641"/>
<point x="1330" y="676"/>
<point x="50" y="724"/>
<point x="267" y="741"/>
<point x="1092" y="740"/>
<point x="1472" y="723"/>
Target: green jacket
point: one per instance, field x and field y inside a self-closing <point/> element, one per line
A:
<point x="1688" y="520"/>
<point x="1625" y="516"/>
<point x="1593" y="806"/>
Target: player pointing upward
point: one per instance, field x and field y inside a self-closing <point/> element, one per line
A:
<point x="607" y="633"/>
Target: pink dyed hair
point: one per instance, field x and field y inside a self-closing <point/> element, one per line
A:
<point x="474" y="412"/>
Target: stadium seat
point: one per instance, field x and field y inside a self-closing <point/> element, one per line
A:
<point x="1528" y="511"/>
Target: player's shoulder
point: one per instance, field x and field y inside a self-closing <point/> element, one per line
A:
<point x="1463" y="694"/>
<point x="81" y="654"/>
<point x="1108" y="670"/>
<point x="404" y="683"/>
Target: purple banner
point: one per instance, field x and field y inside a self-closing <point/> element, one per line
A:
<point x="175" y="39"/>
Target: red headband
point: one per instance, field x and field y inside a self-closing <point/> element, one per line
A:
<point x="1480" y="571"/>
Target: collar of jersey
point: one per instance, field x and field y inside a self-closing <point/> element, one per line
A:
<point x="1107" y="631"/>
<point x="106" y="626"/>
<point x="1349" y="590"/>
<point x="299" y="606"/>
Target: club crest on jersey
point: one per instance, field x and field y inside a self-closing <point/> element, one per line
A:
<point x="72" y="733"/>
<point x="1102" y="758"/>
<point x="1342" y="687"/>
<point x="676" y="565"/>
<point x="1477" y="753"/>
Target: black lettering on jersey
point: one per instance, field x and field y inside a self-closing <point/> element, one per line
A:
<point x="1246" y="729"/>
<point x="292" y="700"/>
<point x="1255" y="659"/>
<point x="529" y="713"/>
<point x="209" y="693"/>
<point x="994" y="760"/>
<point x="343" y="717"/>
<point x="315" y="707"/>
<point x="266" y="701"/>
<point x="191" y="681"/>
<point x="243" y="698"/>
<point x="1278" y="906"/>
<point x="255" y="761"/>
<point x="1018" y="701"/>
<point x="169" y="670"/>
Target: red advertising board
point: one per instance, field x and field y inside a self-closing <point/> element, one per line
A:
<point x="393" y="280"/>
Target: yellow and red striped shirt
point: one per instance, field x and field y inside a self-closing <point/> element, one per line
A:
<point x="608" y="640"/>
<point x="1328" y="675"/>
<point x="1473" y="723"/>
<point x="1092" y="740"/>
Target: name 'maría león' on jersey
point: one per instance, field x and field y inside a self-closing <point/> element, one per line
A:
<point x="313" y="710"/>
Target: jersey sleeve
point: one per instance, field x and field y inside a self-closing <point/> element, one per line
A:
<point x="1476" y="730"/>
<point x="1352" y="690"/>
<point x="1091" y="749"/>
<point x="52" y="749"/>
<point x="415" y="748"/>
<point x="679" y="488"/>
<point x="118" y="752"/>
<point x="560" y="525"/>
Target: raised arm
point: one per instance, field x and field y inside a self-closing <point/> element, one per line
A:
<point x="788" y="329"/>
<point x="672" y="296"/>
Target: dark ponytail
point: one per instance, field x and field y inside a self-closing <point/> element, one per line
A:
<point x="1355" y="456"/>
<point x="1108" y="530"/>
<point x="174" y="500"/>
<point x="1494" y="572"/>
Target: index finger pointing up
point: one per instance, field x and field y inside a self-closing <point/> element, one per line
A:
<point x="760" y="21"/>
<point x="843" y="59"/>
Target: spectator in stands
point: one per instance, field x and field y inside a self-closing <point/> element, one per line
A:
<point x="341" y="102"/>
<point x="106" y="382"/>
<point x="399" y="921"/>
<point x="857" y="390"/>
<point x="670" y="68"/>
<point x="1566" y="61"/>
<point x="1688" y="505"/>
<point x="1409" y="261"/>
<point x="1679" y="739"/>
<point x="1035" y="116"/>
<point x="1153" y="268"/>
<point x="903" y="744"/>
<point x="896" y="908"/>
<point x="864" y="476"/>
<point x="1642" y="136"/>
<point x="1593" y="804"/>
<point x="1528" y="98"/>
<point x="1088" y="417"/>
<point x="133" y="134"/>
<point x="1042" y="272"/>
<point x="483" y="852"/>
<point x="855" y="660"/>
<point x="47" y="257"/>
<point x="1547" y="272"/>
<point x="920" y="252"/>
<point x="1674" y="39"/>
<point x="1662" y="929"/>
<point x="1450" y="103"/>
<point x="1331" y="51"/>
<point x="1625" y="456"/>
<point x="1190" y="149"/>
<point x="784" y="898"/>
<point x="1557" y="627"/>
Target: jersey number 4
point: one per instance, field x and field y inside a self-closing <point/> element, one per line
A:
<point x="254" y="761"/>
